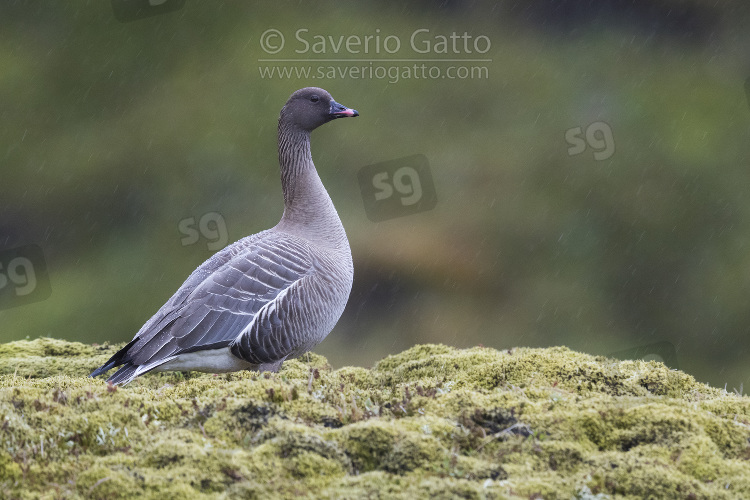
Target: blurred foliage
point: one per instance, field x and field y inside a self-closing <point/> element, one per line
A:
<point x="112" y="133"/>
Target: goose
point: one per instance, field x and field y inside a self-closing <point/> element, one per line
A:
<point x="269" y="297"/>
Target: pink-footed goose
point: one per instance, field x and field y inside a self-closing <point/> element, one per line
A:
<point x="268" y="297"/>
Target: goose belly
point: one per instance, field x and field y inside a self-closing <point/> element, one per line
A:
<point x="210" y="361"/>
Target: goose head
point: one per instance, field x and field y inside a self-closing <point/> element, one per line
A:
<point x="311" y="107"/>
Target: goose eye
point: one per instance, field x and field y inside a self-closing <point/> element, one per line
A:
<point x="314" y="98"/>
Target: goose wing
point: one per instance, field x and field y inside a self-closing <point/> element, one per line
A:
<point x="219" y="301"/>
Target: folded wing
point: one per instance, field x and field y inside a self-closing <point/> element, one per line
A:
<point x="247" y="281"/>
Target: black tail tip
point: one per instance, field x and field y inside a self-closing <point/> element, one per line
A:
<point x="116" y="360"/>
<point x="102" y="369"/>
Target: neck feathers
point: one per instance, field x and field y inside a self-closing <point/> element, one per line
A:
<point x="308" y="210"/>
<point x="294" y="158"/>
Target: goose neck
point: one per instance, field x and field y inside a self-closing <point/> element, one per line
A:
<point x="308" y="209"/>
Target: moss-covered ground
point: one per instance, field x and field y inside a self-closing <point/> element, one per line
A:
<point x="430" y="422"/>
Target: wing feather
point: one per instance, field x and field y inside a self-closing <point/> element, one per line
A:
<point x="220" y="301"/>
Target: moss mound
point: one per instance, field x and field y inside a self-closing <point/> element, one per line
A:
<point x="433" y="421"/>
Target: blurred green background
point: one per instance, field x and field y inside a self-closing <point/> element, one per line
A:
<point x="114" y="133"/>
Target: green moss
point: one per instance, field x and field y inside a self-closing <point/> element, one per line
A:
<point x="431" y="421"/>
<point x="46" y="357"/>
<point x="10" y="472"/>
<point x="105" y="483"/>
<point x="368" y="443"/>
